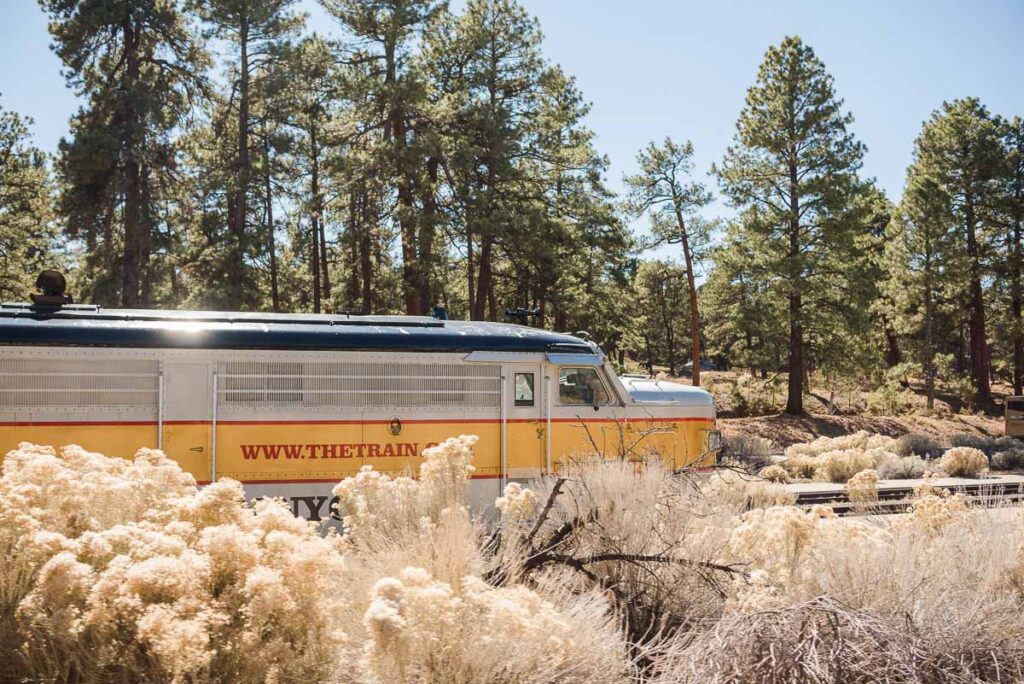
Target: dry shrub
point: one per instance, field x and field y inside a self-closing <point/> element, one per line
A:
<point x="917" y="444"/>
<point x="927" y="597"/>
<point x="647" y="537"/>
<point x="862" y="488"/>
<point x="982" y="443"/>
<point x="774" y="473"/>
<point x="840" y="466"/>
<point x="1007" y="460"/>
<point x="862" y="440"/>
<point x="893" y="467"/>
<point x="817" y="641"/>
<point x="801" y="467"/>
<point x="741" y="492"/>
<point x="963" y="462"/>
<point x="746" y="451"/>
<point x="418" y="554"/>
<point x="121" y="570"/>
<point x="825" y="641"/>
<point x="423" y="630"/>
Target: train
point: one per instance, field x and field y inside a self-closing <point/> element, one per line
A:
<point x="289" y="404"/>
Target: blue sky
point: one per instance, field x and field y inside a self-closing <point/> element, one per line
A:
<point x="653" y="68"/>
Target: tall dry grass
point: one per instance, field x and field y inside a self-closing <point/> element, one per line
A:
<point x="125" y="571"/>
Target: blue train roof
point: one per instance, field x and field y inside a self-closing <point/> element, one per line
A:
<point x="77" y="325"/>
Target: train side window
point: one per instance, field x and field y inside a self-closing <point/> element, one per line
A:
<point x="1015" y="404"/>
<point x="524" y="389"/>
<point x="581" y="387"/>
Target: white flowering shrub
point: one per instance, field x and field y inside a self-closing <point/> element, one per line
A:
<point x="424" y="630"/>
<point x="518" y="503"/>
<point x="862" y="440"/>
<point x="931" y="513"/>
<point x="862" y="488"/>
<point x="739" y="491"/>
<point x="963" y="462"/>
<point x="117" y="568"/>
<point x="417" y="554"/>
<point x="840" y="466"/>
<point x="801" y="467"/>
<point x="774" y="473"/>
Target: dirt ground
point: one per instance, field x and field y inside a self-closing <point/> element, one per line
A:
<point x="784" y="430"/>
<point x="832" y="413"/>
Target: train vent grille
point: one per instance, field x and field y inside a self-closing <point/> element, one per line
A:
<point x="254" y="384"/>
<point x="79" y="383"/>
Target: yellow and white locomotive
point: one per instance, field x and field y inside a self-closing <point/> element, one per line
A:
<point x="289" y="404"/>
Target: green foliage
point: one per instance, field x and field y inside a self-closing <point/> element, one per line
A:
<point x="792" y="171"/>
<point x="139" y="67"/>
<point x="434" y="155"/>
<point x="28" y="226"/>
<point x="658" y="332"/>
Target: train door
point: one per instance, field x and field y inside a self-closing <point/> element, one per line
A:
<point x="526" y="426"/>
<point x="187" y="413"/>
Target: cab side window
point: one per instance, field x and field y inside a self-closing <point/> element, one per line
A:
<point x="581" y="387"/>
<point x="524" y="389"/>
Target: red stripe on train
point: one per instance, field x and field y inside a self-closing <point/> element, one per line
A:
<point x="386" y="421"/>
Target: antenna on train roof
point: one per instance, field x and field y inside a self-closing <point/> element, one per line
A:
<point x="520" y="315"/>
<point x="52" y="286"/>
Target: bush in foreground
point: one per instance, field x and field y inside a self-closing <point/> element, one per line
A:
<point x="609" y="572"/>
<point x="124" y="571"/>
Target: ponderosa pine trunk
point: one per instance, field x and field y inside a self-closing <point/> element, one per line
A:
<point x="366" y="254"/>
<point x="426" y="234"/>
<point x="237" y="205"/>
<point x="976" y="321"/>
<point x="795" y="389"/>
<point x="396" y="134"/>
<point x="484" y="280"/>
<point x="314" y="219"/>
<point x="131" y="259"/>
<point x="1015" y="290"/>
<point x="268" y="189"/>
<point x="691" y="284"/>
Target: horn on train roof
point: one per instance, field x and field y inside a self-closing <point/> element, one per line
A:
<point x="52" y="290"/>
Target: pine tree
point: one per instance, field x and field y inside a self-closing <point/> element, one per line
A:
<point x="660" y="333"/>
<point x="795" y="161"/>
<point x="390" y="98"/>
<point x="314" y="103"/>
<point x="960" y="148"/>
<point x="917" y="267"/>
<point x="1011" y="223"/>
<point x="139" y="67"/>
<point x="28" y="228"/>
<point x="746" y="313"/>
<point x="488" y="65"/>
<point x="255" y="30"/>
<point x="662" y="188"/>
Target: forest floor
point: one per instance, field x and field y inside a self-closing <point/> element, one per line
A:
<point x="753" y="406"/>
<point x="784" y="430"/>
